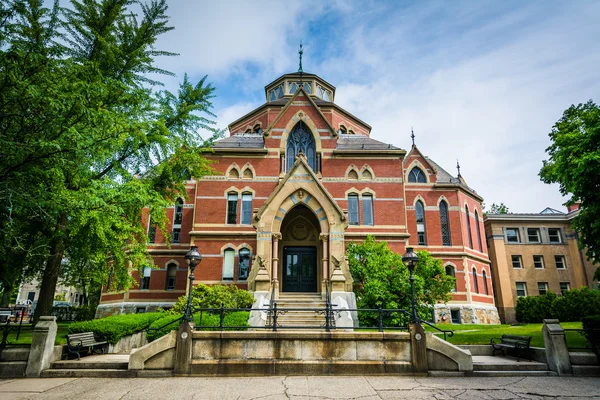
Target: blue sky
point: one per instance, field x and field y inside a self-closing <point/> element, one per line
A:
<point x="480" y="81"/>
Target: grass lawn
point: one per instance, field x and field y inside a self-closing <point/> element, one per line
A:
<point x="481" y="334"/>
<point x="26" y="329"/>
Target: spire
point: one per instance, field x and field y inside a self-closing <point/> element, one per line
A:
<point x="412" y="135"/>
<point x="458" y="167"/>
<point x="300" y="56"/>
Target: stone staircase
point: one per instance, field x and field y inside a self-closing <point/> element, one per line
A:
<point x="508" y="366"/>
<point x="304" y="320"/>
<point x="97" y="366"/>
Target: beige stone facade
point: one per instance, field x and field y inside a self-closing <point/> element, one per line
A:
<point x="532" y="254"/>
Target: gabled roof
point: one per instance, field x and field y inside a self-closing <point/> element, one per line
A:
<point x="300" y="162"/>
<point x="549" y="210"/>
<point x="361" y="142"/>
<point x="289" y="103"/>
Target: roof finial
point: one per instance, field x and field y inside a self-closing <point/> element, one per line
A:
<point x="458" y="167"/>
<point x="300" y="54"/>
<point x="412" y="135"/>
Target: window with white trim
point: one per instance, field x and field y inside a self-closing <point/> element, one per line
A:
<point x="554" y="235"/>
<point x="538" y="262"/>
<point x="367" y="208"/>
<point x="559" y="260"/>
<point x="451" y="271"/>
<point x="420" y="212"/>
<point x="533" y="235"/>
<point x="512" y="235"/>
<point x="228" y="264"/>
<point x="517" y="262"/>
<point x="542" y="288"/>
<point x="178" y="212"/>
<point x="246" y="208"/>
<point x="521" y="289"/>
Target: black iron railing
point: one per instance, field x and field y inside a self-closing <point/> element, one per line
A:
<point x="444" y="331"/>
<point x="8" y="326"/>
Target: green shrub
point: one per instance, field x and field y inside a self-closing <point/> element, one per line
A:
<point x="534" y="309"/>
<point x="206" y="322"/>
<point x="204" y="296"/>
<point x="115" y="327"/>
<point x="162" y="326"/>
<point x="591" y="324"/>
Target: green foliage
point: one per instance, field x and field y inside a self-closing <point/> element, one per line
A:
<point x="162" y="326"/>
<point x="206" y="322"/>
<point x="88" y="140"/>
<point x="591" y="324"/>
<point x="496" y="209"/>
<point x="115" y="327"/>
<point x="204" y="296"/>
<point x="534" y="309"/>
<point x="382" y="280"/>
<point x="574" y="163"/>
<point x="573" y="305"/>
<point x="60" y="297"/>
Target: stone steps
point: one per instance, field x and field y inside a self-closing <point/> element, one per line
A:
<point x="511" y="367"/>
<point x="511" y="373"/>
<point x="74" y="364"/>
<point x="88" y="373"/>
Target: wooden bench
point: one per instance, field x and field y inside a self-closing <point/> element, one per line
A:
<point x="519" y="343"/>
<point x="78" y="343"/>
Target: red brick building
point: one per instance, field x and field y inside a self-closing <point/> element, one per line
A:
<point x="299" y="178"/>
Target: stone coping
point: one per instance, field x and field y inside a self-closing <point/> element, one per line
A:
<point x="296" y="335"/>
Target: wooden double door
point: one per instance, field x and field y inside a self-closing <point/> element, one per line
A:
<point x="300" y="269"/>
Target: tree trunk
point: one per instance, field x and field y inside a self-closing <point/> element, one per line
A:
<point x="52" y="270"/>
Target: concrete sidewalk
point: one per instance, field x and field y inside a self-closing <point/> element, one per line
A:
<point x="299" y="387"/>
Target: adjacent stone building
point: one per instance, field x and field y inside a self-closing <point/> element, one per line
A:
<point x="296" y="181"/>
<point x="532" y="254"/>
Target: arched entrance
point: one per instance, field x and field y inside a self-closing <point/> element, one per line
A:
<point x="300" y="251"/>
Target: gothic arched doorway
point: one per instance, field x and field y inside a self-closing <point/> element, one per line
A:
<point x="300" y="251"/>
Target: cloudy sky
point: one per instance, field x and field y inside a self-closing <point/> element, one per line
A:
<point x="480" y="81"/>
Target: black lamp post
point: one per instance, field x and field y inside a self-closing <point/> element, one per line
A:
<point x="410" y="259"/>
<point x="192" y="258"/>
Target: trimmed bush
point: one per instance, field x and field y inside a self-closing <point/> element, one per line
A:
<point x="206" y="322"/>
<point x="162" y="326"/>
<point x="573" y="305"/>
<point x="591" y="325"/>
<point x="115" y="327"/>
<point x="204" y="296"/>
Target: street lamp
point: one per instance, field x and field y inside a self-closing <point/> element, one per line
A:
<point x="192" y="258"/>
<point x="410" y="259"/>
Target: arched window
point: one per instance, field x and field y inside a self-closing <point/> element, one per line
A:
<point x="416" y="175"/>
<point x="171" y="275"/>
<point x="232" y="204"/>
<point x="469" y="226"/>
<point x="243" y="264"/>
<point x="450" y="271"/>
<point x="228" y="261"/>
<point x="485" y="283"/>
<point x="234" y="174"/>
<point x="445" y="224"/>
<point x="352" y="175"/>
<point x="248" y="173"/>
<point x="422" y="237"/>
<point x="342" y="130"/>
<point x="301" y="140"/>
<point x="257" y="129"/>
<point x="478" y="231"/>
<point x="367" y="175"/>
<point x="475" y="283"/>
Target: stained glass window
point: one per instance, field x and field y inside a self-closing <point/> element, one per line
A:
<point x="416" y="176"/>
<point x="301" y="140"/>
<point x="445" y="224"/>
<point x="276" y="93"/>
<point x="469" y="227"/>
<point x="420" y="211"/>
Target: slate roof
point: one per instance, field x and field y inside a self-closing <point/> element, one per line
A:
<point x="245" y="140"/>
<point x="444" y="176"/>
<point x="361" y="142"/>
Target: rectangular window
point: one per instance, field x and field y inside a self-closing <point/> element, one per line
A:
<point x="171" y="275"/>
<point x="538" y="262"/>
<point x="512" y="235"/>
<point x="367" y="209"/>
<point x="176" y="236"/>
<point x="455" y="316"/>
<point x="232" y="203"/>
<point x="564" y="286"/>
<point x="151" y="231"/>
<point x="560" y="262"/>
<point x="228" y="261"/>
<point x="243" y="264"/>
<point x="521" y="289"/>
<point x="516" y="262"/>
<point x="145" y="281"/>
<point x="533" y="235"/>
<point x="353" y="209"/>
<point x="554" y="235"/>
<point x="177" y="218"/>
<point x="543" y="288"/>
<point x="246" y="208"/>
<point x="30" y="297"/>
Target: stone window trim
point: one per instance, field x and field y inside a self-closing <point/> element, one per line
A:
<point x="451" y="271"/>
<point x="421" y="223"/>
<point x="171" y="277"/>
<point x="233" y="172"/>
<point x="366" y="173"/>
<point x="229" y="248"/>
<point x="248" y="171"/>
<point x="352" y="173"/>
<point x="521" y="289"/>
<point x="362" y="198"/>
<point x="145" y="278"/>
<point x="538" y="261"/>
<point x="445" y="223"/>
<point x="417" y="175"/>
<point x="517" y="261"/>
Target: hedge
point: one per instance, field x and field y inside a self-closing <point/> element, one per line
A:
<point x="115" y="327"/>
<point x="171" y="322"/>
<point x="573" y="305"/>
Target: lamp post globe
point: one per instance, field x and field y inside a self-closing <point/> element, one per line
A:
<point x="410" y="258"/>
<point x="192" y="258"/>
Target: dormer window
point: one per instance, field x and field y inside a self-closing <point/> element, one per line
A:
<point x="323" y="93"/>
<point x="416" y="176"/>
<point x="276" y="92"/>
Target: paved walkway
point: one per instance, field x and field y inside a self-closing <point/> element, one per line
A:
<point x="303" y="388"/>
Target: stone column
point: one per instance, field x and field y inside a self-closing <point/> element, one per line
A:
<point x="418" y="347"/>
<point x="324" y="238"/>
<point x="557" y="353"/>
<point x="183" y="349"/>
<point x="275" y="264"/>
<point x="42" y="346"/>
